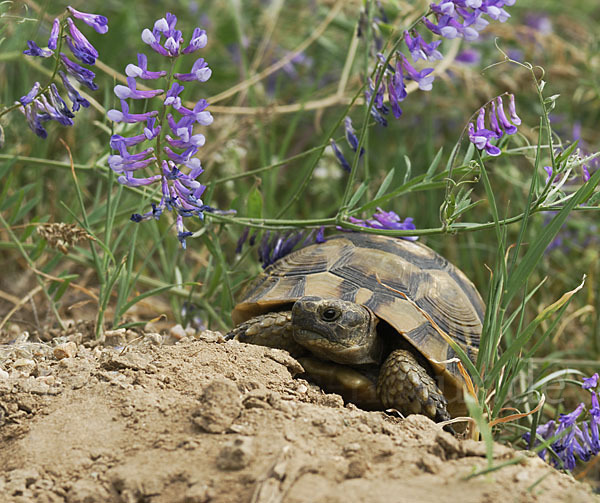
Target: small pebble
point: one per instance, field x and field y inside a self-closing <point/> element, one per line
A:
<point x="177" y="331"/>
<point x="24" y="366"/>
<point x="236" y="454"/>
<point x="66" y="350"/>
<point x="220" y="405"/>
<point x="356" y="468"/>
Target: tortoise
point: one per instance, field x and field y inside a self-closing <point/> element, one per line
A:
<point x="359" y="312"/>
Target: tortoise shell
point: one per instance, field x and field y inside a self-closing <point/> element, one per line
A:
<point x="403" y="282"/>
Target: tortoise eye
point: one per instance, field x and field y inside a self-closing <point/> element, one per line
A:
<point x="330" y="314"/>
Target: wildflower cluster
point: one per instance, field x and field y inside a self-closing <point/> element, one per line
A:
<point x="42" y="104"/>
<point x="171" y="126"/>
<point x="572" y="439"/>
<point x="387" y="220"/>
<point x="481" y="136"/>
<point x="275" y="245"/>
<point x="453" y="19"/>
<point x="352" y="140"/>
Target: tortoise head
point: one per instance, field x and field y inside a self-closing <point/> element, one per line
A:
<point x="337" y="330"/>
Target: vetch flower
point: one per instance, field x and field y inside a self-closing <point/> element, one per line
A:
<point x="44" y="103"/>
<point x="387" y="220"/>
<point x="53" y="40"/>
<point x="76" y="98"/>
<point x="340" y="156"/>
<point x="351" y="137"/>
<point x="481" y="137"/>
<point x="141" y="69"/>
<point x="34" y="119"/>
<point x="28" y="98"/>
<point x="590" y="382"/>
<point x="419" y="49"/>
<point x="573" y="440"/>
<point x="81" y="74"/>
<point x="130" y="91"/>
<point x="464" y="18"/>
<point x="35" y="50"/>
<point x="198" y="41"/>
<point x="200" y="72"/>
<point x="99" y="23"/>
<point x="80" y="46"/>
<point x="123" y="115"/>
<point x="274" y="246"/>
<point x="172" y="129"/>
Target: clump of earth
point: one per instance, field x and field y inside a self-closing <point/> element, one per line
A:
<point x="190" y="418"/>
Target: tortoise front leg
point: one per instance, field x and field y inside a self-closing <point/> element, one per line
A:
<point x="405" y="385"/>
<point x="273" y="330"/>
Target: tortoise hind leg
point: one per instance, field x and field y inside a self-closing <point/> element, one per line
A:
<point x="270" y="329"/>
<point x="405" y="385"/>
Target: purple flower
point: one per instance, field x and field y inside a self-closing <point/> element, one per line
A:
<point x="58" y="103"/>
<point x="125" y="116"/>
<point x="53" y="40"/>
<point x="481" y="136"/>
<point x="545" y="431"/>
<point x="99" y="23"/>
<point x="76" y="98"/>
<point x="423" y="78"/>
<point x="351" y="137"/>
<point x="378" y="110"/>
<point x="464" y="18"/>
<point x="141" y="70"/>
<point x="34" y="119"/>
<point x="340" y="157"/>
<point x="581" y="440"/>
<point x="506" y="124"/>
<point x="198" y="114"/>
<point x="81" y="74"/>
<point x="468" y="56"/>
<point x="274" y="246"/>
<point x="46" y="105"/>
<point x="419" y="49"/>
<point x="130" y="91"/>
<point x="80" y="46"/>
<point x="182" y="234"/>
<point x="511" y="108"/>
<point x="129" y="180"/>
<point x="387" y="220"/>
<point x="28" y="98"/>
<point x="549" y="171"/>
<point x="34" y="50"/>
<point x="172" y="98"/>
<point x="200" y="72"/>
<point x="396" y="90"/>
<point x="198" y="41"/>
<point x="586" y="173"/>
<point x="179" y="166"/>
<point x="590" y="382"/>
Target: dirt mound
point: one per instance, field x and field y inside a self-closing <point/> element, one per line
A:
<point x="208" y="421"/>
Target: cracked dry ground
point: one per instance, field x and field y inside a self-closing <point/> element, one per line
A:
<point x="208" y="421"/>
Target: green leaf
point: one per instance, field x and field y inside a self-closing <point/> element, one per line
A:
<point x="540" y="243"/>
<point x="408" y="169"/>
<point x="515" y="348"/>
<point x="434" y="164"/>
<point x="358" y="194"/>
<point x="255" y="203"/>
<point x="386" y="183"/>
